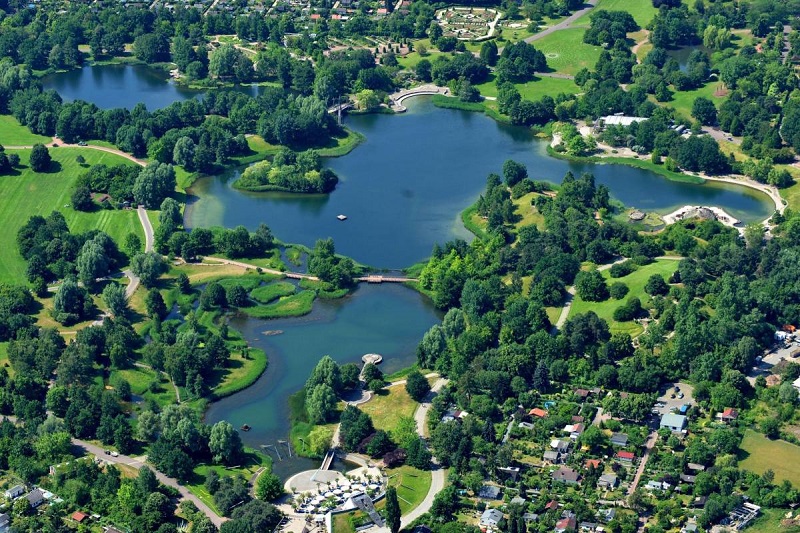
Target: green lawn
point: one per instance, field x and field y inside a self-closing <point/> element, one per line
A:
<point x="28" y="193"/>
<point x="412" y="486"/>
<point x="770" y="521"/>
<point x="641" y="10"/>
<point x="386" y="407"/>
<point x="533" y="90"/>
<point x="267" y="293"/>
<point x="635" y="282"/>
<point x="780" y="456"/>
<point x="567" y="53"/>
<point x="12" y="133"/>
<point x="682" y="101"/>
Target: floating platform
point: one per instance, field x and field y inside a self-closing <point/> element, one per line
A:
<point x="245" y="427"/>
<point x="341" y="217"/>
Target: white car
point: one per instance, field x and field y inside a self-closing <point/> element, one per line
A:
<point x="114" y="454"/>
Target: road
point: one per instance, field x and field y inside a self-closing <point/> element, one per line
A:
<point x="651" y="441"/>
<point x="138" y="463"/>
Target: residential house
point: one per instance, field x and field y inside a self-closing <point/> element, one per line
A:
<point x="5" y="519"/>
<point x="489" y="492"/>
<point x="587" y="526"/>
<point x="575" y="431"/>
<point x="111" y="529"/>
<point x="14" y="492"/>
<point x="607" y="515"/>
<point x="566" y="524"/>
<point x="560" y="445"/>
<point x="526" y="425"/>
<point x="673" y="422"/>
<point x="619" y="439"/>
<point x="538" y="413"/>
<point x="566" y="475"/>
<point x="510" y="471"/>
<point x="689" y="528"/>
<point x="592" y="463"/>
<point x="728" y="415"/>
<point x="552" y="456"/>
<point x="577" y="419"/>
<point x="608" y="481"/>
<point x="686" y="478"/>
<point x="517" y="500"/>
<point x="35" y="498"/>
<point x="582" y="393"/>
<point x="530" y="518"/>
<point x="491" y="517"/>
<point x="625" y="457"/>
<point x="694" y="467"/>
<point x="79" y="517"/>
<point x="552" y="504"/>
<point x="658" y="485"/>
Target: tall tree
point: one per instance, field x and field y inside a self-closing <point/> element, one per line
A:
<point x="392" y="510"/>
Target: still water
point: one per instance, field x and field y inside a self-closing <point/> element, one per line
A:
<point x="404" y="188"/>
<point x="385" y="319"/>
<point x="111" y="86"/>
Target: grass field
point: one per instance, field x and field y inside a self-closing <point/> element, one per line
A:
<point x="567" y="53"/>
<point x="682" y="101"/>
<point x="267" y="293"/>
<point x="641" y="10"/>
<point x="252" y="462"/>
<point x="388" y="406"/>
<point x="28" y="193"/>
<point x="635" y="282"/>
<point x="533" y="90"/>
<point x="412" y="486"/>
<point x="762" y="454"/>
<point x="12" y="133"/>
<point x="770" y="521"/>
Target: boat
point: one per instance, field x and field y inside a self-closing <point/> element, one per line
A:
<point x="245" y="427"/>
<point x="342" y="217"/>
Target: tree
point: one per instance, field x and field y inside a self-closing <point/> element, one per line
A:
<point x="115" y="299"/>
<point x="132" y="244"/>
<point x="40" y="159"/>
<point x="81" y="198"/>
<point x="392" y="510"/>
<point x="704" y="110"/>
<point x="417" y="386"/>
<point x="320" y="403"/>
<point x="154" y="303"/>
<point x="514" y="172"/>
<point x="155" y="182"/>
<point x="70" y="302"/>
<point x="225" y="443"/>
<point x="656" y="286"/>
<point x="591" y="286"/>
<point x="327" y="372"/>
<point x="771" y="428"/>
<point x="319" y="440"/>
<point x="92" y="262"/>
<point x="268" y="487"/>
<point x="148" y="267"/>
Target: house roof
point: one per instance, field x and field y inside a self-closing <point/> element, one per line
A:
<point x="489" y="491"/>
<point x="552" y="504"/>
<point x="695" y="466"/>
<point x="672" y="420"/>
<point x="79" y="516"/>
<point x="626" y="455"/>
<point x="566" y="523"/>
<point x="620" y="439"/>
<point x="592" y="463"/>
<point x="608" y="478"/>
<point x="540" y="413"/>
<point x="491" y="514"/>
<point x="565" y="474"/>
<point x="730" y="412"/>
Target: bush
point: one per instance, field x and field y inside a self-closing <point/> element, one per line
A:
<point x="618" y="290"/>
<point x="630" y="310"/>
<point x="40" y="158"/>
<point x="620" y="270"/>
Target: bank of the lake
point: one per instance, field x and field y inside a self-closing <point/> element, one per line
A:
<point x="409" y="181"/>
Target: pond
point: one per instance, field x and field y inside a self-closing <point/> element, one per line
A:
<point x="386" y="319"/>
<point x="110" y="86"/>
<point x="404" y="188"/>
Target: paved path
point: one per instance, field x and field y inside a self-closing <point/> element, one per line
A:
<point x="651" y="441"/>
<point x="562" y="318"/>
<point x="137" y="463"/>
<point x="107" y="149"/>
<point x="564" y="24"/>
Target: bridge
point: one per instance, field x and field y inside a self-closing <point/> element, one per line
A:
<point x="384" y="279"/>
<point x="327" y="461"/>
<point x="344" y="106"/>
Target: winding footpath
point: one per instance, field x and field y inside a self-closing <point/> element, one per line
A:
<point x="564" y="24"/>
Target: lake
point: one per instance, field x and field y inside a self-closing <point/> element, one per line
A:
<point x="404" y="188"/>
<point x="388" y="319"/>
<point x="111" y="86"/>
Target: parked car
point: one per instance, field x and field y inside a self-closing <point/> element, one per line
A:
<point x="114" y="454"/>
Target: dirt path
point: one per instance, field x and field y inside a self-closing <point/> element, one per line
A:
<point x="651" y="441"/>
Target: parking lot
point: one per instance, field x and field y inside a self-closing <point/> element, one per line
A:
<point x="670" y="399"/>
<point x="772" y="357"/>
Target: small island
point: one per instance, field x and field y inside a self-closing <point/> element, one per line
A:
<point x="289" y="172"/>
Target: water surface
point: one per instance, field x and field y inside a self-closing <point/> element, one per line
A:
<point x="386" y="319"/>
<point x="404" y="188"/>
